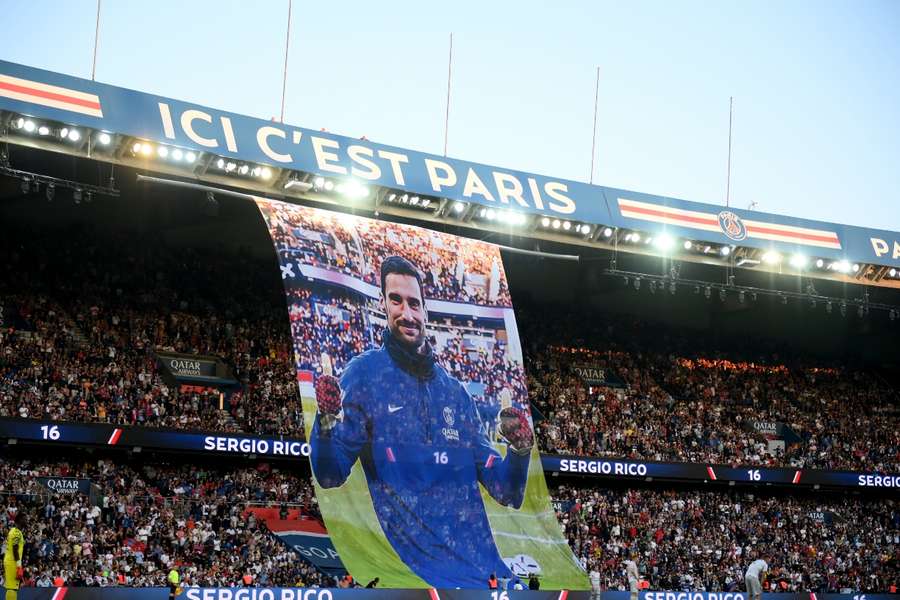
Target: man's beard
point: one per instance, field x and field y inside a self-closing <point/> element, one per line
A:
<point x="416" y="343"/>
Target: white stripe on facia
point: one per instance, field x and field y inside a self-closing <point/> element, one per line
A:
<point x="790" y="228"/>
<point x="624" y="204"/>
<point x="45" y="87"/>
<point x="793" y="240"/>
<point x="670" y="221"/>
<point x="93" y="112"/>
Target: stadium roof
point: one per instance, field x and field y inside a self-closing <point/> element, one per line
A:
<point x="77" y="117"/>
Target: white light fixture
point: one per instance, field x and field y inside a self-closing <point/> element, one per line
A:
<point x="104" y="138"/>
<point x="566" y="225"/>
<point x="842" y="266"/>
<point x="190" y="157"/>
<point x="162" y="151"/>
<point x="664" y="242"/>
<point x="74" y="135"/>
<point x="636" y="237"/>
<point x="177" y="154"/>
<point x="458" y="207"/>
<point x="820" y="263"/>
<point x="688" y="244"/>
<point x="770" y="257"/>
<point x="585" y="229"/>
<point x="244" y="170"/>
<point x="329" y="185"/>
<point x="146" y="149"/>
<point x="725" y="250"/>
<point x="892" y="272"/>
<point x="20" y="123"/>
<point x="229" y="167"/>
<point x="556" y="223"/>
<point x="855" y="268"/>
<point x="220" y="163"/>
<point x="29" y="126"/>
<point x="489" y="214"/>
<point x="43" y="130"/>
<point x="798" y="261"/>
<point x="607" y="232"/>
<point x="545" y="221"/>
<point x="136" y="148"/>
<point x="319" y="181"/>
<point x="256" y="171"/>
<point x="266" y="173"/>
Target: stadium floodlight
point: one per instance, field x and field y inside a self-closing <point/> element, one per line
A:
<point x="319" y="182"/>
<point x="329" y="185"/>
<point x="557" y="223"/>
<point x="585" y="229"/>
<point x="74" y="135"/>
<point x="688" y="244"/>
<point x="635" y="237"/>
<point x="770" y="257"/>
<point x="104" y="138"/>
<point x="29" y="126"/>
<point x="43" y="130"/>
<point x="841" y="266"/>
<point x="855" y="268"/>
<point x="414" y="200"/>
<point x="892" y="272"/>
<point x="266" y="173"/>
<point x="19" y="123"/>
<point x="352" y="189"/>
<point x="607" y="232"/>
<point x="162" y="151"/>
<point x="230" y="166"/>
<point x="136" y="148"/>
<point x="489" y="214"/>
<point x="190" y="157"/>
<point x="566" y="225"/>
<point x="177" y="154"/>
<point x="664" y="242"/>
<point x="725" y="250"/>
<point x="244" y="170"/>
<point x="799" y="261"/>
<point x="220" y="163"/>
<point x="146" y="149"/>
<point x="458" y="207"/>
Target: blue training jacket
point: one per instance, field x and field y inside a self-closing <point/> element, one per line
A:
<point x="424" y="450"/>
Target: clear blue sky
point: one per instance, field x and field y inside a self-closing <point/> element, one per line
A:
<point x="816" y="84"/>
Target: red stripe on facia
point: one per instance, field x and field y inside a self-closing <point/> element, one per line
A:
<point x="812" y="596"/>
<point x="60" y="593"/>
<point x="712" y="474"/>
<point x="114" y="438"/>
<point x="49" y="95"/>
<point x="390" y="454"/>
<point x="832" y="237"/>
<point x="669" y="215"/>
<point x="563" y="594"/>
<point x="797" y="476"/>
<point x="434" y="594"/>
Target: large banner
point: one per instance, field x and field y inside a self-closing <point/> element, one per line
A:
<point x="410" y="370"/>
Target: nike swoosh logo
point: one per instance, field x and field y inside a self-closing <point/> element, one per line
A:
<point x="392" y="409"/>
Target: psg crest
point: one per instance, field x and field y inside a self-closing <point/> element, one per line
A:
<point x="732" y="226"/>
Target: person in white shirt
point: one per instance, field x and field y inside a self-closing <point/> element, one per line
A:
<point x="594" y="577"/>
<point x="631" y="572"/>
<point x="755" y="577"/>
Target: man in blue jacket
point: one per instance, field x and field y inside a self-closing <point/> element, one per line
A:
<point x="422" y="446"/>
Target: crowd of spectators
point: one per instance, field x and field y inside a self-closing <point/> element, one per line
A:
<point x="703" y="540"/>
<point x="148" y="519"/>
<point x="670" y="400"/>
<point x="82" y="320"/>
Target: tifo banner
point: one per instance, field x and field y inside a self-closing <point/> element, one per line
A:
<point x="65" y="485"/>
<point x="410" y="370"/>
<point x="309" y="539"/>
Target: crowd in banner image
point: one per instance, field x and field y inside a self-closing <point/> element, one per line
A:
<point x="452" y="269"/>
<point x="154" y="517"/>
<point x="331" y="326"/>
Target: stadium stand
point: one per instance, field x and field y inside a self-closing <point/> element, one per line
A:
<point x="158" y="512"/>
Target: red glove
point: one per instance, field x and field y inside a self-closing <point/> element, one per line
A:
<point x="20" y="573"/>
<point x="516" y="429"/>
<point x="328" y="397"/>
